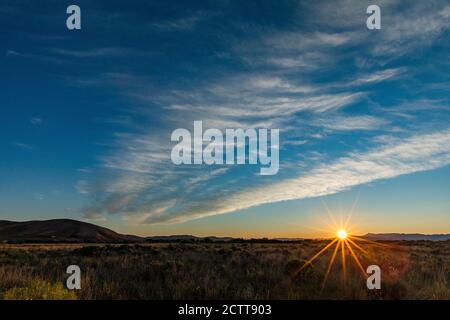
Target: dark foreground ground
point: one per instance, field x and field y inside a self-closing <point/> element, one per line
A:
<point x="410" y="270"/>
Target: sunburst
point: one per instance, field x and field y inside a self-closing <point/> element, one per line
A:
<point x="345" y="242"/>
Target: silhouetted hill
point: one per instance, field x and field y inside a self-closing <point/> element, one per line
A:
<point x="407" y="236"/>
<point x="59" y="230"/>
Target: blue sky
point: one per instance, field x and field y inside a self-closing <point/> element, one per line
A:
<point x="363" y="114"/>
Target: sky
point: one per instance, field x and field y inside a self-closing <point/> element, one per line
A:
<point x="364" y="115"/>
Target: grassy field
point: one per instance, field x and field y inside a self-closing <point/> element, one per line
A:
<point x="410" y="270"/>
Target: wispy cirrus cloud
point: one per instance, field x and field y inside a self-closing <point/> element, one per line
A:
<point x="36" y="121"/>
<point x="378" y="76"/>
<point x="97" y="52"/>
<point x="352" y="123"/>
<point x="415" y="154"/>
<point x="23" y="146"/>
<point x="415" y="27"/>
<point x="316" y="84"/>
<point x="38" y="57"/>
<point x="181" y="24"/>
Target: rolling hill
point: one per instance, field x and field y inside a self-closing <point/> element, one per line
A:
<point x="58" y="230"/>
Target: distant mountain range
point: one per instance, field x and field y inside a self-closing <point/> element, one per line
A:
<point x="407" y="236"/>
<point x="188" y="238"/>
<point x="66" y="230"/>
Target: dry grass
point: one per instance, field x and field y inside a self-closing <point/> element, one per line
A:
<point x="419" y="270"/>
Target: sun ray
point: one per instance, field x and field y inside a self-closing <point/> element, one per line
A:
<point x="352" y="210"/>
<point x="358" y="246"/>
<point x="344" y="270"/>
<point x="318" y="254"/>
<point x="330" y="264"/>
<point x="372" y="242"/>
<point x="352" y="253"/>
<point x="330" y="215"/>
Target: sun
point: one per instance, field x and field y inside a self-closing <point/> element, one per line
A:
<point x="342" y="234"/>
<point x="344" y="241"/>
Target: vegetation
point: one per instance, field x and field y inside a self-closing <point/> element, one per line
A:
<point x="38" y="289"/>
<point x="410" y="270"/>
